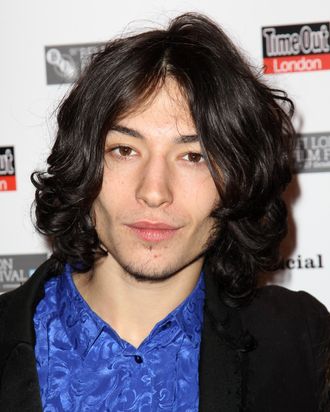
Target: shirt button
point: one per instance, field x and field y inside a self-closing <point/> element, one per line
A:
<point x="138" y="359"/>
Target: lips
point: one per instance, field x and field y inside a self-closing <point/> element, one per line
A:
<point x="153" y="231"/>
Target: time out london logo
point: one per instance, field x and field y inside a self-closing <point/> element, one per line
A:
<point x="7" y="169"/>
<point x="296" y="48"/>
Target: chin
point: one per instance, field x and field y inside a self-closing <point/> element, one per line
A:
<point x="156" y="273"/>
<point x="147" y="277"/>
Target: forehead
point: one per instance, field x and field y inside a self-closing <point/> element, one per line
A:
<point x="165" y="110"/>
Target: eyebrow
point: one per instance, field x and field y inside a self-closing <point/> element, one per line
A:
<point x="189" y="138"/>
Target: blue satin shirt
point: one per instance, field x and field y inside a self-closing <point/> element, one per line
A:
<point x="83" y="364"/>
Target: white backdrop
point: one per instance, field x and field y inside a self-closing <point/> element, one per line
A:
<point x="27" y="104"/>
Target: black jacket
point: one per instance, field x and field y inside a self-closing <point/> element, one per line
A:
<point x="268" y="356"/>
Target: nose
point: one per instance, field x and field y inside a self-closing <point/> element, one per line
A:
<point x="155" y="184"/>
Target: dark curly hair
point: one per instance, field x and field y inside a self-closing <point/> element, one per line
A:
<point x="245" y="132"/>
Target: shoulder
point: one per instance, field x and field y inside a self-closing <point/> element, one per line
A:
<point x="284" y="303"/>
<point x="5" y="304"/>
<point x="277" y="307"/>
<point x="291" y="328"/>
<point x="279" y="296"/>
<point x="289" y="322"/>
<point x="17" y="306"/>
<point x="292" y="334"/>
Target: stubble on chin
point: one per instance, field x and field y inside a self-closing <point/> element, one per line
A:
<point x="143" y="274"/>
<point x="147" y="272"/>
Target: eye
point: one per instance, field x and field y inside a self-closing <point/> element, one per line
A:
<point x="194" y="157"/>
<point x="122" y="151"/>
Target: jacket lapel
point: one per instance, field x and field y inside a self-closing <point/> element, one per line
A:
<point x="223" y="355"/>
<point x="18" y="374"/>
<point x="19" y="384"/>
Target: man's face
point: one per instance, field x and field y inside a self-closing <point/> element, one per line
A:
<point x="153" y="211"/>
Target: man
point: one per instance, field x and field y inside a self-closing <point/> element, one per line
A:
<point x="162" y="200"/>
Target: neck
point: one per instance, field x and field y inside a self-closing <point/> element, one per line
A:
<point x="132" y="307"/>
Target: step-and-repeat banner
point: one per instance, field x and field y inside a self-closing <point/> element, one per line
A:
<point x="45" y="45"/>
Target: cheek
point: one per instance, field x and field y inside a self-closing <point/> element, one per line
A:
<point x="201" y="197"/>
<point x="101" y="214"/>
<point x="104" y="206"/>
<point x="114" y="193"/>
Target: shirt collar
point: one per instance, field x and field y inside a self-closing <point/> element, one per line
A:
<point x="80" y="323"/>
<point x="83" y="326"/>
<point x="189" y="314"/>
